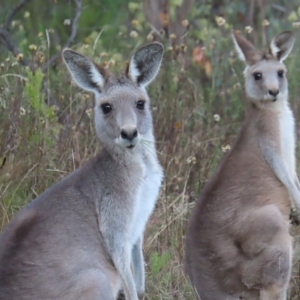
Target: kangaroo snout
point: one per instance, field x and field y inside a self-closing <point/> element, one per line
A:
<point x="129" y="136"/>
<point x="129" y="133"/>
<point x="273" y="92"/>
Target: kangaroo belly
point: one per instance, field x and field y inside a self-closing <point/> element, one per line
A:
<point x="258" y="253"/>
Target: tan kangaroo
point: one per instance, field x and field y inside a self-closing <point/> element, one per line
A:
<point x="238" y="244"/>
<point x="80" y="238"/>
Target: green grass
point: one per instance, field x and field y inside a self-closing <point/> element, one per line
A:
<point x="43" y="139"/>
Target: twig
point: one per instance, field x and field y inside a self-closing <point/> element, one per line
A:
<point x="20" y="183"/>
<point x="71" y="38"/>
<point x="278" y="7"/>
<point x="6" y="40"/>
<point x="262" y="7"/>
<point x="15" y="75"/>
<point x="13" y="12"/>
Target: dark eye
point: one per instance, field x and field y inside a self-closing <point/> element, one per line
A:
<point x="106" y="108"/>
<point x="140" y="104"/>
<point x="280" y="73"/>
<point x="257" y="75"/>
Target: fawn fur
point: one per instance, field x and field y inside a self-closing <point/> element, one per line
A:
<point x="238" y="244"/>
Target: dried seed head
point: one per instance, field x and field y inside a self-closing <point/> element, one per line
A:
<point x="32" y="47"/>
<point x="134" y="23"/>
<point x="19" y="57"/>
<point x="111" y="63"/>
<point x="89" y="112"/>
<point x="217" y="117"/>
<point x="191" y="160"/>
<point x="226" y="148"/>
<point x="183" y="47"/>
<point x="236" y="86"/>
<point x="22" y="111"/>
<point x="248" y="29"/>
<point x="220" y="21"/>
<point x="185" y="23"/>
<point x="150" y="37"/>
<point x="133" y="34"/>
<point x="67" y="22"/>
<point x="265" y="23"/>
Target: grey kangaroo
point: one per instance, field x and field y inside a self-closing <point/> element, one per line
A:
<point x="238" y="244"/>
<point x="82" y="238"/>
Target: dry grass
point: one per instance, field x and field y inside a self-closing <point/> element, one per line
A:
<point x="39" y="147"/>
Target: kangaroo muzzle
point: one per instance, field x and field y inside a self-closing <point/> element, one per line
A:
<point x="129" y="136"/>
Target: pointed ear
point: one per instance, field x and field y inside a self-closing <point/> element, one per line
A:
<point x="282" y="44"/>
<point x="246" y="51"/>
<point x="85" y="73"/>
<point x="145" y="63"/>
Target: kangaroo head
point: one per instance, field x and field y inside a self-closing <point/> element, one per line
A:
<point x="265" y="73"/>
<point x="122" y="108"/>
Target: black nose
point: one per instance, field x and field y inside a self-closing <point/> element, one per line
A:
<point x="273" y="93"/>
<point x="129" y="134"/>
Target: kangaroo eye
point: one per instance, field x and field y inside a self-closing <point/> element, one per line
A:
<point x="257" y="75"/>
<point x="280" y="73"/>
<point x="106" y="108"/>
<point x="140" y="104"/>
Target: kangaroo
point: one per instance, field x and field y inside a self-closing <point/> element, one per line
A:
<point x="82" y="238"/>
<point x="238" y="244"/>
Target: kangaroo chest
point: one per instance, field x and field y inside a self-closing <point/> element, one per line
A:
<point x="146" y="197"/>
<point x="288" y="140"/>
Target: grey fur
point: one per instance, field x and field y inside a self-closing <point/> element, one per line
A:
<point x="78" y="239"/>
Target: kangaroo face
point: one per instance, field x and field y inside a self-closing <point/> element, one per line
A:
<point x="122" y="115"/>
<point x="266" y="80"/>
<point x="265" y="73"/>
<point x="122" y="110"/>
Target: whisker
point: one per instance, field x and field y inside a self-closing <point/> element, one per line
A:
<point x="146" y="146"/>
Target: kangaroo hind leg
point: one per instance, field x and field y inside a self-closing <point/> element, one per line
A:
<point x="267" y="245"/>
<point x="273" y="294"/>
<point x="92" y="285"/>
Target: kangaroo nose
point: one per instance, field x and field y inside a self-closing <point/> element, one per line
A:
<point x="273" y="93"/>
<point x="129" y="134"/>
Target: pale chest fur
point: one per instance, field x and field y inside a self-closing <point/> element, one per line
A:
<point x="147" y="194"/>
<point x="288" y="139"/>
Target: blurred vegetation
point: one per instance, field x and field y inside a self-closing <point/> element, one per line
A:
<point x="46" y="127"/>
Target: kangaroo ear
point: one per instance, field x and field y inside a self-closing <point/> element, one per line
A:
<point x="282" y="44"/>
<point x="246" y="51"/>
<point x="85" y="73"/>
<point x="145" y="63"/>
